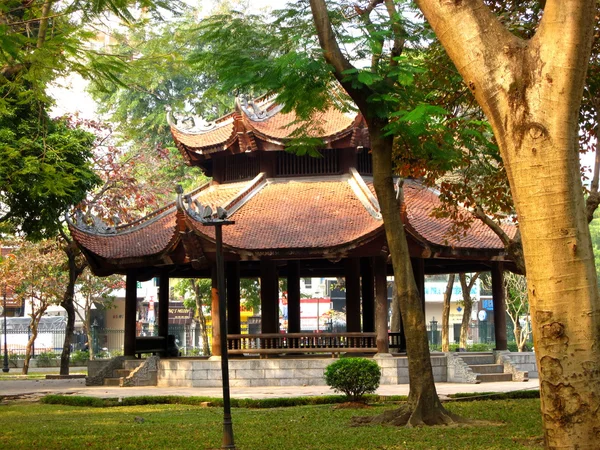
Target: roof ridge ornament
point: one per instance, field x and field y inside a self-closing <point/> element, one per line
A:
<point x="254" y="111"/>
<point x="97" y="226"/>
<point x="191" y="123"/>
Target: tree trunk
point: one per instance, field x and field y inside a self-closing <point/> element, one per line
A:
<point x="201" y="318"/>
<point x="28" y="349"/>
<point x="446" y="314"/>
<point x="518" y="335"/>
<point x="68" y="303"/>
<point x="531" y="92"/>
<point x="395" y="319"/>
<point x="467" y="308"/>
<point x="423" y="405"/>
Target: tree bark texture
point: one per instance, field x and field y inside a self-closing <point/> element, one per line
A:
<point x="68" y="303"/>
<point x="423" y="405"/>
<point x="530" y="92"/>
<point x="467" y="308"/>
<point x="200" y="317"/>
<point x="446" y="314"/>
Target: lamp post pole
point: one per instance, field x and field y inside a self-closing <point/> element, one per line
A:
<point x="228" y="441"/>
<point x="5" y="368"/>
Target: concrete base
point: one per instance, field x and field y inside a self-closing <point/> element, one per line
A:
<point x="277" y="371"/>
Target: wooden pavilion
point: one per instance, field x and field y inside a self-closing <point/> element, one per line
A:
<point x="295" y="216"/>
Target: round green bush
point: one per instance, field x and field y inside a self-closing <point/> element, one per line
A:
<point x="353" y="376"/>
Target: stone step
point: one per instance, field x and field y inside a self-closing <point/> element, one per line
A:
<point x="479" y="359"/>
<point x="132" y="364"/>
<point x="121" y="373"/>
<point x="487" y="368"/>
<point x="112" y="382"/>
<point x="494" y="377"/>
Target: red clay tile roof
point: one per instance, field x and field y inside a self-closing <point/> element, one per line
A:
<point x="324" y="124"/>
<point x="420" y="203"/>
<point x="148" y="239"/>
<point x="294" y="214"/>
<point x="216" y="137"/>
<point x="330" y="124"/>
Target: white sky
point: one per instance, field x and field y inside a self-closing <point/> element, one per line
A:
<point x="72" y="98"/>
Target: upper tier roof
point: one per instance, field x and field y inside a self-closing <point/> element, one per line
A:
<point x="259" y="124"/>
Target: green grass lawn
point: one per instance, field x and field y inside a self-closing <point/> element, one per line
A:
<point x="517" y="425"/>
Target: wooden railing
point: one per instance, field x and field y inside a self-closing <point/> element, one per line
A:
<point x="278" y="343"/>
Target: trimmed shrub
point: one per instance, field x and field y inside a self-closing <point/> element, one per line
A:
<point x="80" y="357"/>
<point x="353" y="376"/>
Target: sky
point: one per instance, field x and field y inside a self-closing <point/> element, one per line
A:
<point x="71" y="97"/>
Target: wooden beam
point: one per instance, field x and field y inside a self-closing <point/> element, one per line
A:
<point x="368" y="299"/>
<point x="234" y="325"/>
<point x="130" y="313"/>
<point x="293" y="286"/>
<point x="215" y="315"/>
<point x="269" y="297"/>
<point x="381" y="304"/>
<point x="499" y="306"/>
<point x="352" y="274"/>
<point x="163" y="305"/>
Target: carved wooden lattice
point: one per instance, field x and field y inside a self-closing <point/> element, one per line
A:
<point x="290" y="164"/>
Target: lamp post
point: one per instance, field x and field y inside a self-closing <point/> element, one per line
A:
<point x="434" y="324"/>
<point x="209" y="221"/>
<point x="95" y="337"/>
<point x="5" y="368"/>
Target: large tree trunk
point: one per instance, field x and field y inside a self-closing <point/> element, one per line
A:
<point x="531" y="92"/>
<point x="446" y="314"/>
<point x="423" y="405"/>
<point x="68" y="303"/>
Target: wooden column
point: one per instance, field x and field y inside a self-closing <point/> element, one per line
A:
<point x="130" y="313"/>
<point x="381" y="304"/>
<point x="269" y="297"/>
<point x="368" y="299"/>
<point x="215" y="314"/>
<point x="352" y="274"/>
<point x="499" y="306"/>
<point x="293" y="285"/>
<point x="418" y="266"/>
<point x="232" y="275"/>
<point x="163" y="305"/>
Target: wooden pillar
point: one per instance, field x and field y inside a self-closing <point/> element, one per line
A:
<point x="130" y="313"/>
<point x="293" y="285"/>
<point x="368" y="299"/>
<point x="215" y="314"/>
<point x="234" y="325"/>
<point x="163" y="305"/>
<point x="418" y="266"/>
<point x="352" y="274"/>
<point x="381" y="304"/>
<point x="269" y="297"/>
<point x="499" y="306"/>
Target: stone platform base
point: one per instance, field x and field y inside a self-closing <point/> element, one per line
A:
<point x="301" y="371"/>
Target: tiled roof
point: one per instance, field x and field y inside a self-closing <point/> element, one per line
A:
<point x="147" y="239"/>
<point x="421" y="202"/>
<point x="323" y="124"/>
<point x="290" y="215"/>
<point x="330" y="124"/>
<point x="216" y="137"/>
<point x="298" y="215"/>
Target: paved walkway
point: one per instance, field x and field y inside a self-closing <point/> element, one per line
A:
<point x="37" y="388"/>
